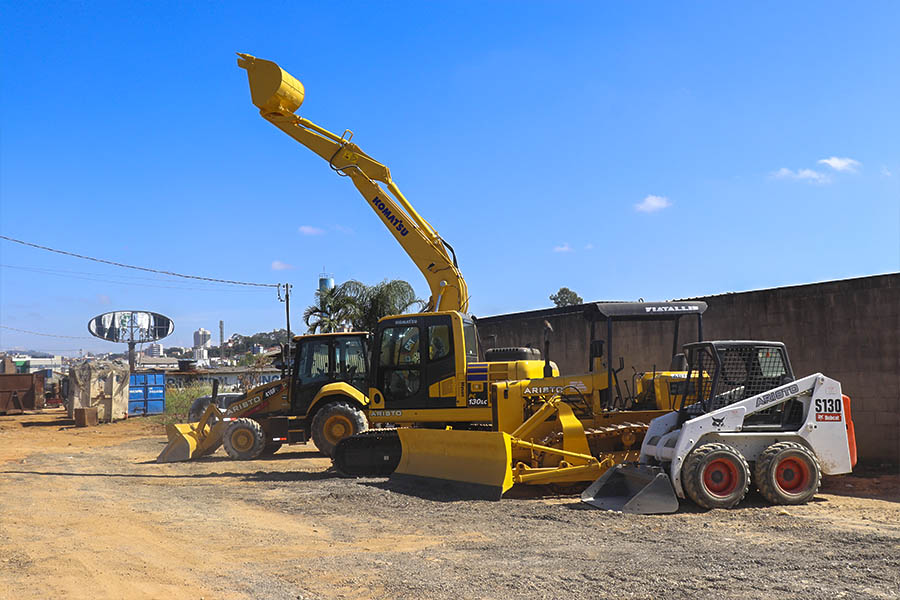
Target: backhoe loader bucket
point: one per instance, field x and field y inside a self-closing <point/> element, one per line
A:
<point x="475" y="464"/>
<point x="633" y="488"/>
<point x="189" y="440"/>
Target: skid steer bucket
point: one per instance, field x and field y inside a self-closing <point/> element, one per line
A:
<point x="633" y="488"/>
<point x="475" y="464"/>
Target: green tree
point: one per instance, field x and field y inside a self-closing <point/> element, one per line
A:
<point x="565" y="297"/>
<point x="331" y="310"/>
<point x="360" y="305"/>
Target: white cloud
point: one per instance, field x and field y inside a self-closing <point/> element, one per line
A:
<point x="344" y="230"/>
<point x="841" y="164"/>
<point x="652" y="204"/>
<point x="103" y="299"/>
<point x="885" y="172"/>
<point x="588" y="246"/>
<point x="565" y="247"/>
<point x="310" y="230"/>
<point x="801" y="175"/>
<point x="277" y="265"/>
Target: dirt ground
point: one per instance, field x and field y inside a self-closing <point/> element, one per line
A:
<point x="87" y="513"/>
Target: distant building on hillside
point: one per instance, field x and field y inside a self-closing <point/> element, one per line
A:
<point x="201" y="338"/>
<point x="155" y="350"/>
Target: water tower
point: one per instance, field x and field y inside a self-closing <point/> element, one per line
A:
<point x="326" y="282"/>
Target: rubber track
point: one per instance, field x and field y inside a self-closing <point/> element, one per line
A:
<point x="373" y="453"/>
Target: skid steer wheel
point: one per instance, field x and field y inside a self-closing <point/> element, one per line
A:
<point x="244" y="439"/>
<point x="716" y="476"/>
<point x="787" y="473"/>
<point x="335" y="421"/>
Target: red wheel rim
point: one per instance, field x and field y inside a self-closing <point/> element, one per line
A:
<point x="792" y="475"/>
<point x="720" y="477"/>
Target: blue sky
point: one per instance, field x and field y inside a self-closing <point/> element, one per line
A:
<point x="623" y="150"/>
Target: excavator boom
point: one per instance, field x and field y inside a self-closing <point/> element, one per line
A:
<point x="278" y="95"/>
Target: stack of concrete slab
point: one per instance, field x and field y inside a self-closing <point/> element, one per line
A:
<point x="102" y="385"/>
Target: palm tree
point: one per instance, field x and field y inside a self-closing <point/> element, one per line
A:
<point x="329" y="313"/>
<point x="372" y="302"/>
<point x="360" y="305"/>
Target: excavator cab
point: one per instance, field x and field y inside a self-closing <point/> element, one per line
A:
<point x="421" y="362"/>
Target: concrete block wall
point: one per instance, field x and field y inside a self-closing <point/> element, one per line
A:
<point x="847" y="329"/>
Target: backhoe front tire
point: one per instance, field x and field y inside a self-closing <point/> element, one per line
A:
<point x="244" y="439"/>
<point x="715" y="475"/>
<point x="787" y="473"/>
<point x="335" y="421"/>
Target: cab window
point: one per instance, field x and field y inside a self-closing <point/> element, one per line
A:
<point x="314" y="361"/>
<point x="471" y="341"/>
<point x="350" y="357"/>
<point x="399" y="346"/>
<point x="770" y="362"/>
<point x="438" y="342"/>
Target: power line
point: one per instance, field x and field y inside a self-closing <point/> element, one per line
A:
<point x="64" y="273"/>
<point x="68" y="337"/>
<point x="147" y="269"/>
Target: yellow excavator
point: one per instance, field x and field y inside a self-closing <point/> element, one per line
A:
<point x="455" y="411"/>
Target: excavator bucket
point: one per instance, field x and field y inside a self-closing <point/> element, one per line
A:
<point x="272" y="89"/>
<point x="633" y="488"/>
<point x="190" y="440"/>
<point x="467" y="464"/>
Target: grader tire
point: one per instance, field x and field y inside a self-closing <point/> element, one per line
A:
<point x="788" y="473"/>
<point x="335" y="421"/>
<point x="271" y="448"/>
<point x="244" y="439"/>
<point x="716" y="475"/>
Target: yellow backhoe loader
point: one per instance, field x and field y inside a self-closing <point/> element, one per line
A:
<point x="321" y="397"/>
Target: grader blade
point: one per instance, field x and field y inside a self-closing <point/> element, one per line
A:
<point x="633" y="488"/>
<point x="466" y="464"/>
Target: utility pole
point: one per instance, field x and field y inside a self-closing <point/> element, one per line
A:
<point x="287" y="306"/>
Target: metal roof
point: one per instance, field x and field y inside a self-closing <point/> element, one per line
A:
<point x="639" y="311"/>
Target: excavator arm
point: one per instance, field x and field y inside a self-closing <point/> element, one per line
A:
<point x="278" y="95"/>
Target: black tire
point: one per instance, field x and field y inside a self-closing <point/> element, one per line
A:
<point x="335" y="421"/>
<point x="787" y="473"/>
<point x="244" y="439"/>
<point x="198" y="407"/>
<point x="270" y="448"/>
<point x="509" y="354"/>
<point x="715" y="475"/>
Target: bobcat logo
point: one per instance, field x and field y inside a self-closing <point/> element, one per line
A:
<point x="718" y="422"/>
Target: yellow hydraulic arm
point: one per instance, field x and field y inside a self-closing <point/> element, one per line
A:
<point x="277" y="95"/>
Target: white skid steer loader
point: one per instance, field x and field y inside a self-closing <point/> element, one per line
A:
<point x="743" y="417"/>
